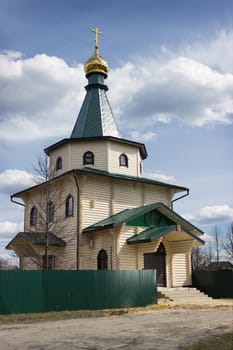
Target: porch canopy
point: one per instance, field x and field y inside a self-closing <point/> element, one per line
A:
<point x="158" y="219"/>
<point x="25" y="243"/>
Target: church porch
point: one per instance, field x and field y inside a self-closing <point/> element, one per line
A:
<point x="150" y="237"/>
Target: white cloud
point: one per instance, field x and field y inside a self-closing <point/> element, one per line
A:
<point x="12" y="180"/>
<point x="211" y="214"/>
<point x="159" y="177"/>
<point x="216" y="53"/>
<point x="178" y="89"/>
<point x="41" y="96"/>
<point x="7" y="228"/>
<point x="142" y="136"/>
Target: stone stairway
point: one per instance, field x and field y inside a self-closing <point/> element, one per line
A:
<point x="183" y="295"/>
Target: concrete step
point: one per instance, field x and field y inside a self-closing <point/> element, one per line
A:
<point x="184" y="295"/>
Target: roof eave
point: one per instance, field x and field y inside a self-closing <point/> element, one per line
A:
<point x="141" y="146"/>
<point x="140" y="241"/>
<point x="174" y="214"/>
<point x="98" y="172"/>
<point x="59" y="243"/>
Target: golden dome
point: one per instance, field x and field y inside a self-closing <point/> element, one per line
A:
<point x="96" y="64"/>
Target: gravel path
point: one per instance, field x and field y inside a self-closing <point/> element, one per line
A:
<point x="159" y="329"/>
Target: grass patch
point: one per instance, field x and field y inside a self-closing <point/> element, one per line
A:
<point x="223" y="342"/>
<point x="55" y="316"/>
<point x="63" y="315"/>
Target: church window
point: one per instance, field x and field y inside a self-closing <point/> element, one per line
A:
<point x="88" y="158"/>
<point x="102" y="260"/>
<point x="59" y="163"/>
<point x="51" y="212"/>
<point x="69" y="206"/>
<point x="33" y="217"/>
<point x="51" y="262"/>
<point x="123" y="160"/>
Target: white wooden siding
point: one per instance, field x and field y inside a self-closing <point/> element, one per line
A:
<point x="167" y="246"/>
<point x="155" y="194"/>
<point x="180" y="261"/>
<point x="127" y="195"/>
<point x="127" y="253"/>
<point x="29" y="264"/>
<point x="134" y="159"/>
<point x="181" y="275"/>
<point x="64" y="153"/>
<point x="102" y="240"/>
<point x="96" y="200"/>
<point x="99" y="149"/>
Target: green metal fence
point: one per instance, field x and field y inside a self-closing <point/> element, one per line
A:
<point x="42" y="291"/>
<point x="217" y="284"/>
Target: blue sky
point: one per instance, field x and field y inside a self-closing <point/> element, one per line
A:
<point x="170" y="86"/>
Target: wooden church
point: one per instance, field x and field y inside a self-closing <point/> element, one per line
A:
<point x="96" y="210"/>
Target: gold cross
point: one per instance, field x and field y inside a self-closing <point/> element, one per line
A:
<point x="97" y="32"/>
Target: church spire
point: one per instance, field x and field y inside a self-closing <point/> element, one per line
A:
<point x="95" y="118"/>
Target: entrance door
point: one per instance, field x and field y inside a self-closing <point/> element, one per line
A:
<point x="157" y="261"/>
<point x="102" y="260"/>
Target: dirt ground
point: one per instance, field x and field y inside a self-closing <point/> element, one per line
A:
<point x="162" y="329"/>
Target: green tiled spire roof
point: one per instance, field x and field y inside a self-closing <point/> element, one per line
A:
<point x="95" y="118"/>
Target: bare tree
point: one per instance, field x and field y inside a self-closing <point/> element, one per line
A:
<point x="42" y="171"/>
<point x="199" y="258"/>
<point x="228" y="241"/>
<point x="209" y="251"/>
<point x="217" y="242"/>
<point x="48" y="204"/>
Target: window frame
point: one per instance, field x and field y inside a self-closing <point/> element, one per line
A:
<point x="33" y="216"/>
<point x="51" y="262"/>
<point x="51" y="211"/>
<point x="88" y="158"/>
<point x="69" y="206"/>
<point x="59" y="163"/>
<point x="123" y="160"/>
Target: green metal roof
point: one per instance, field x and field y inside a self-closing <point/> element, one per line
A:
<point x="153" y="233"/>
<point x="97" y="172"/>
<point x="128" y="177"/>
<point x="130" y="216"/>
<point x="95" y="117"/>
<point x="38" y="238"/>
<point x="120" y="218"/>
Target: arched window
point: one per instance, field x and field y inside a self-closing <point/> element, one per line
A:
<point x="51" y="212"/>
<point x="102" y="260"/>
<point x="59" y="163"/>
<point x="69" y="206"/>
<point x="33" y="217"/>
<point x="88" y="158"/>
<point x="123" y="160"/>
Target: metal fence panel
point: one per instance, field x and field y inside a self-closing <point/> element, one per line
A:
<point x="20" y="292"/>
<point x="217" y="284"/>
<point x="88" y="290"/>
<point x="41" y="291"/>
